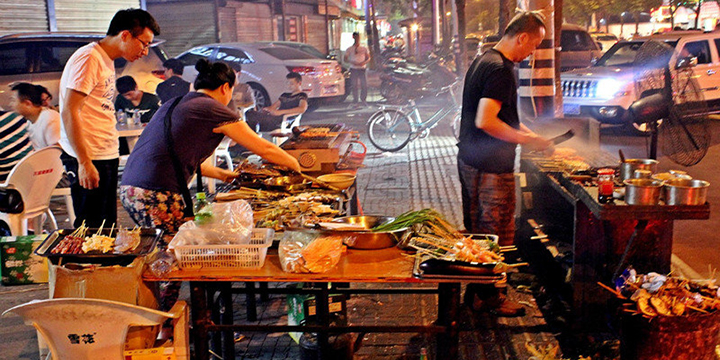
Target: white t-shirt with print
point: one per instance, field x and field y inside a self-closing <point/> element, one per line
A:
<point x="91" y="71"/>
<point x="357" y="54"/>
<point x="46" y="130"/>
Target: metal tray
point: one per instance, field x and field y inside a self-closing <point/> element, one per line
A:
<point x="458" y="273"/>
<point x="148" y="239"/>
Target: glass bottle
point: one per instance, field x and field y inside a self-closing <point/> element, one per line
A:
<point x="606" y="185"/>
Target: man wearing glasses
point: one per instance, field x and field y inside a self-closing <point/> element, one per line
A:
<point x="88" y="133"/>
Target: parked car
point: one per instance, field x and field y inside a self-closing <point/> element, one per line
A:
<point x="606" y="90"/>
<point x="317" y="53"/>
<point x="40" y="58"/>
<point x="264" y="67"/>
<point x="605" y="40"/>
<point x="577" y="48"/>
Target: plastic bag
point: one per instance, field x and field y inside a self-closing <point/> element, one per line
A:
<point x="307" y="252"/>
<point x="227" y="223"/>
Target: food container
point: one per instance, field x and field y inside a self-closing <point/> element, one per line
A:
<point x="627" y="168"/>
<point x="246" y="256"/>
<point x="685" y="192"/>
<point x="642" y="191"/>
<point x="339" y="180"/>
<point x="364" y="239"/>
<point x="672" y="174"/>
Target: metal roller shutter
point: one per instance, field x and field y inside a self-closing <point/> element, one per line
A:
<point x="23" y="16"/>
<point x="228" y="25"/>
<point x="184" y="25"/>
<point x="254" y="22"/>
<point x="317" y="33"/>
<point x="89" y="15"/>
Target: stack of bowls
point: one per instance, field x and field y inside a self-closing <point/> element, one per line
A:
<point x="642" y="191"/>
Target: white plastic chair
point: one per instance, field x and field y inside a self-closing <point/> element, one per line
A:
<point x="96" y="329"/>
<point x="288" y="122"/>
<point x="35" y="177"/>
<point x="67" y="196"/>
<point x="223" y="152"/>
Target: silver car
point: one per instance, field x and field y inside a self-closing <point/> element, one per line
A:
<point x="39" y="58"/>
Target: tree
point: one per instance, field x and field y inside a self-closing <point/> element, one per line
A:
<point x="481" y="15"/>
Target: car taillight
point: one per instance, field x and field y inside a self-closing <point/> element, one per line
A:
<point x="303" y="70"/>
<point x="159" y="74"/>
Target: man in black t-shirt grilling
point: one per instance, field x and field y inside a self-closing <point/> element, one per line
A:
<point x="490" y="130"/>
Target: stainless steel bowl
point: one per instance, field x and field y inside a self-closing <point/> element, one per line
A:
<point x="627" y="168"/>
<point x="686" y="192"/>
<point x="369" y="240"/>
<point x="642" y="191"/>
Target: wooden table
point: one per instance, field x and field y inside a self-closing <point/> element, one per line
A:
<point x="357" y="266"/>
<point x="131" y="132"/>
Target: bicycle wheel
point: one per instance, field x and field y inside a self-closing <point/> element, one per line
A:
<point x="389" y="130"/>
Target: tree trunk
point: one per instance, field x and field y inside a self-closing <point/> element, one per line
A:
<point x="460" y="56"/>
<point x="504" y="16"/>
<point x="558" y="16"/>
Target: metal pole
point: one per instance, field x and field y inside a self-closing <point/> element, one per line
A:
<point x="327" y="27"/>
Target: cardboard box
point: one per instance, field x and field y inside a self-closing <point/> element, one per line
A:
<point x="161" y="353"/>
<point x="118" y="283"/>
<point x="302" y="309"/>
<point x="19" y="264"/>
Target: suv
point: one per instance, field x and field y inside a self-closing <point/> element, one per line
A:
<point x="40" y="58"/>
<point x="606" y="90"/>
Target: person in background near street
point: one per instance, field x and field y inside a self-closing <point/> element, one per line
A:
<point x="14" y="142"/>
<point x="490" y="131"/>
<point x="150" y="191"/>
<point x="132" y="99"/>
<point x="289" y="103"/>
<point x="358" y="56"/>
<point x="88" y="133"/>
<point x="174" y="85"/>
<point x="44" y="126"/>
<point x="47" y="99"/>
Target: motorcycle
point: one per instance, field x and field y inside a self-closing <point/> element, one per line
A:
<point x="401" y="80"/>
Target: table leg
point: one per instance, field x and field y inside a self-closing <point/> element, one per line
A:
<point x="448" y="315"/>
<point x="200" y="319"/>
<point x="250" y="302"/>
<point x="131" y="141"/>
<point x="323" y="314"/>
<point x="227" y="319"/>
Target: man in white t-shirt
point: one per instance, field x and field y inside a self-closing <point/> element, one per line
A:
<point x="358" y="56"/>
<point x="44" y="126"/>
<point x="88" y="133"/>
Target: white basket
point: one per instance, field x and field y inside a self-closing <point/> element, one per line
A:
<point x="249" y="256"/>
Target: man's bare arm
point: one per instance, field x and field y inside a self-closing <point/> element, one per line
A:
<point x="487" y="120"/>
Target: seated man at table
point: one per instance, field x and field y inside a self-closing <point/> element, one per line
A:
<point x="44" y="123"/>
<point x="174" y="86"/>
<point x="289" y="103"/>
<point x="132" y="99"/>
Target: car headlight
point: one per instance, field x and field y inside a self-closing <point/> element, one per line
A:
<point x="610" y="88"/>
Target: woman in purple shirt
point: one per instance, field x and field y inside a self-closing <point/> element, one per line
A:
<point x="149" y="190"/>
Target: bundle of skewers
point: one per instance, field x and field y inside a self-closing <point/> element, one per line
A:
<point x="78" y="242"/>
<point x="653" y="295"/>
<point x="433" y="237"/>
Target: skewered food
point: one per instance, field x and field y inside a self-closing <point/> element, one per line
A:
<point x="127" y="240"/>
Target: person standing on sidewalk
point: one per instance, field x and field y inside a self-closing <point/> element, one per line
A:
<point x="358" y="56"/>
<point x="490" y="131"/>
<point x="88" y="133"/>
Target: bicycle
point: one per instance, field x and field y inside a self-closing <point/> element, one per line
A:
<point x="391" y="129"/>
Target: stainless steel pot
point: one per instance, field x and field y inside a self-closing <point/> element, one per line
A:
<point x="686" y="192"/>
<point x="627" y="168"/>
<point x="369" y="240"/>
<point x="642" y="191"/>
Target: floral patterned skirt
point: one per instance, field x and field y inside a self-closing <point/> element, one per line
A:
<point x="155" y="209"/>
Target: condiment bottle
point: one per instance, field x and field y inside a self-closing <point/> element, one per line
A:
<point x="606" y="185"/>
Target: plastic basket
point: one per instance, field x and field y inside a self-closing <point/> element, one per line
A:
<point x="249" y="256"/>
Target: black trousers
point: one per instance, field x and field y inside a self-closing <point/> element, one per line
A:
<point x="94" y="206"/>
<point x="358" y="80"/>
